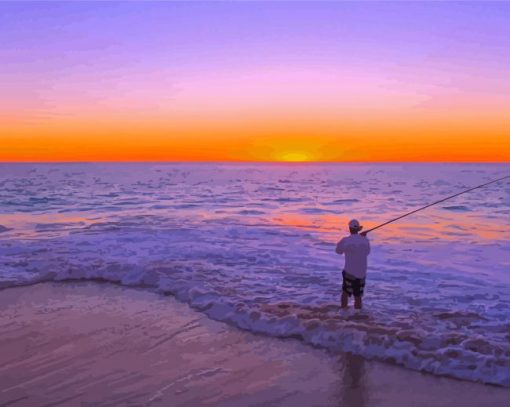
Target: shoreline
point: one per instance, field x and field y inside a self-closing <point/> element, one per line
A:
<point x="84" y="342"/>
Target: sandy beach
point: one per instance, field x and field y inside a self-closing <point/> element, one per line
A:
<point x="102" y="344"/>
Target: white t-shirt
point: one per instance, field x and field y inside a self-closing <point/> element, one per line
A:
<point x="356" y="249"/>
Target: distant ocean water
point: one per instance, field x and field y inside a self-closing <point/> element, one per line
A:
<point x="253" y="245"/>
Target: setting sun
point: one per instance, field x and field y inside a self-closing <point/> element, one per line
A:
<point x="295" y="156"/>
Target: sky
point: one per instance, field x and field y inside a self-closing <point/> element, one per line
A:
<point x="255" y="81"/>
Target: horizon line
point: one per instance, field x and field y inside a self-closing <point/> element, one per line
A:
<point x="245" y="162"/>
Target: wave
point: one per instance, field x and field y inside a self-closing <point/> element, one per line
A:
<point x="457" y="208"/>
<point x="458" y="355"/>
<point x="250" y="212"/>
<point x="342" y="201"/>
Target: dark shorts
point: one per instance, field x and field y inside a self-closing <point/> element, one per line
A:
<point x="352" y="285"/>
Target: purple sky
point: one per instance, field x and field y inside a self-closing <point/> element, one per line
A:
<point x="77" y="60"/>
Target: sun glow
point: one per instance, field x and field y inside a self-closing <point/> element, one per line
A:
<point x="295" y="156"/>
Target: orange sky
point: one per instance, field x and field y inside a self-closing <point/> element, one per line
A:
<point x="289" y="136"/>
<point x="242" y="82"/>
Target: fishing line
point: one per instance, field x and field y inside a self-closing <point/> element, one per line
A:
<point x="435" y="203"/>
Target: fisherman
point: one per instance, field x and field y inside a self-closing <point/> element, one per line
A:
<point x="356" y="248"/>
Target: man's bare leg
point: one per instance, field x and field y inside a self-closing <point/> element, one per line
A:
<point x="345" y="300"/>
<point x="357" y="302"/>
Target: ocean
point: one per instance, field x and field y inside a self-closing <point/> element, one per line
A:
<point x="254" y="245"/>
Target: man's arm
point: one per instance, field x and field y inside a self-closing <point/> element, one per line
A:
<point x="340" y="247"/>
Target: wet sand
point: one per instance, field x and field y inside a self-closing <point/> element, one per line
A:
<point x="84" y="344"/>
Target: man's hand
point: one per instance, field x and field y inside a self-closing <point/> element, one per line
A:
<point x="364" y="234"/>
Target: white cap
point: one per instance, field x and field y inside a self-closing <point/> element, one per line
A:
<point x="354" y="224"/>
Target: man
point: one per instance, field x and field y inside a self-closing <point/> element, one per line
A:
<point x="356" y="248"/>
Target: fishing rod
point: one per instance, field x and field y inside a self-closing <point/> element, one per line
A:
<point x="434" y="203"/>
